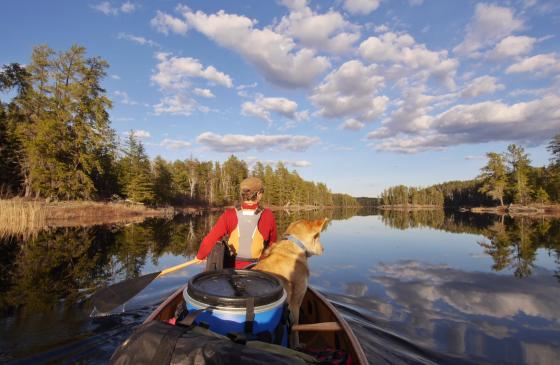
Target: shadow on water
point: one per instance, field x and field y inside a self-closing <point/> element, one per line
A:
<point x="489" y="300"/>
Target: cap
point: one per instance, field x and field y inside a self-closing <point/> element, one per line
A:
<point x="251" y="185"/>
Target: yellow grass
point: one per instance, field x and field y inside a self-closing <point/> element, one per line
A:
<point x="19" y="217"/>
<point x="23" y="217"/>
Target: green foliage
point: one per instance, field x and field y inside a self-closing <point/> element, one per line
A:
<point x="554" y="149"/>
<point x="59" y="122"/>
<point x="403" y="196"/>
<point x="136" y="176"/>
<point x="506" y="178"/>
<point x="518" y="169"/>
<point x="494" y="177"/>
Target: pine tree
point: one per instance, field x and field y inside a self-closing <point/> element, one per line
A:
<point x="136" y="177"/>
<point x="554" y="148"/>
<point x="494" y="177"/>
<point x="62" y="124"/>
<point x="518" y="166"/>
<point x="163" y="182"/>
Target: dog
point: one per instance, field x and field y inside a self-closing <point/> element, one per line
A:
<point x="287" y="260"/>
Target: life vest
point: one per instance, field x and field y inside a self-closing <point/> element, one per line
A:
<point x="246" y="239"/>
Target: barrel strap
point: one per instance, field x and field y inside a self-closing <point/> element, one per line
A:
<point x="189" y="318"/>
<point x="250" y="315"/>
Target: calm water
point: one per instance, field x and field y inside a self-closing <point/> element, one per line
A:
<point x="416" y="288"/>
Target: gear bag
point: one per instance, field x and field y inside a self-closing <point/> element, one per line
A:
<point x="160" y="343"/>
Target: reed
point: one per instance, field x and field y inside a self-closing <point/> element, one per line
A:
<point x="26" y="218"/>
<point x="22" y="217"/>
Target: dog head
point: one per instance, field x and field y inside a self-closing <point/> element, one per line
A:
<point x="308" y="233"/>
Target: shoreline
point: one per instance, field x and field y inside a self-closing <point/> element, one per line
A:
<point x="515" y="210"/>
<point x="26" y="217"/>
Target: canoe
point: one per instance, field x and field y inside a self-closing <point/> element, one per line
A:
<point x="321" y="326"/>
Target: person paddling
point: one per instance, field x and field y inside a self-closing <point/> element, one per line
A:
<point x="249" y="228"/>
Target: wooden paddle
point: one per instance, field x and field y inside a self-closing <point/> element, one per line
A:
<point x="112" y="296"/>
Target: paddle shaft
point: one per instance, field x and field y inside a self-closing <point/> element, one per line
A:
<point x="178" y="267"/>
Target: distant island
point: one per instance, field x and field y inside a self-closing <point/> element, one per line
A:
<point x="507" y="184"/>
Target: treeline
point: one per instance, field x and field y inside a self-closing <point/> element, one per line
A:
<point x="403" y="195"/>
<point x="507" y="178"/>
<point x="56" y="143"/>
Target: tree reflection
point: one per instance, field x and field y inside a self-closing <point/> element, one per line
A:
<point x="512" y="242"/>
<point x="71" y="263"/>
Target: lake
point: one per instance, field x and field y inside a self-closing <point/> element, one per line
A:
<point x="416" y="287"/>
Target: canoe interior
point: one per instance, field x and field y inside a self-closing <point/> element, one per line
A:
<point x="314" y="309"/>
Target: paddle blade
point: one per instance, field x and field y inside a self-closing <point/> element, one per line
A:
<point x="107" y="299"/>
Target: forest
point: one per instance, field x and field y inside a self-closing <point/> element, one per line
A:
<point x="507" y="178"/>
<point x="56" y="143"/>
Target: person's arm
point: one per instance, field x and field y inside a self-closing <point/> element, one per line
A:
<point x="218" y="231"/>
<point x="269" y="227"/>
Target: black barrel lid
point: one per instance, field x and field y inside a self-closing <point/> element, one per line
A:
<point x="232" y="288"/>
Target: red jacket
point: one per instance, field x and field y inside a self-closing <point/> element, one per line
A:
<point x="227" y="223"/>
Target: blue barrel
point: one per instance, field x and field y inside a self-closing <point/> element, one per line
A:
<point x="225" y="296"/>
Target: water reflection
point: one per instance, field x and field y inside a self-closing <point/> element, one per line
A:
<point x="511" y="242"/>
<point x="414" y="287"/>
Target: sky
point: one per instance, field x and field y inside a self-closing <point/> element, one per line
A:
<point x="358" y="94"/>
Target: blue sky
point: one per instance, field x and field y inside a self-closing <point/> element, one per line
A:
<point x="359" y="94"/>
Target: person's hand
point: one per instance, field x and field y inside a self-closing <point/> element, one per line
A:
<point x="198" y="261"/>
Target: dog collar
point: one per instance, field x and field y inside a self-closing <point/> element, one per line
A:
<point x="298" y="242"/>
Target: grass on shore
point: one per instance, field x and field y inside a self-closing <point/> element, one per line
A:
<point x="20" y="217"/>
<point x="27" y="217"/>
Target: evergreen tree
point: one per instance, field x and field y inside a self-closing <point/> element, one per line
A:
<point x="554" y="148"/>
<point x="136" y="177"/>
<point x="518" y="167"/>
<point x="541" y="196"/>
<point x="494" y="177"/>
<point x="62" y="124"/>
<point x="163" y="181"/>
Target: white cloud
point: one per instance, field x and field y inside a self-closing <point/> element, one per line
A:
<point x="361" y="7"/>
<point x="242" y="89"/>
<point x="262" y="107"/>
<point x="125" y="99"/>
<point x="481" y="85"/>
<point x="489" y="24"/>
<point x="325" y="32"/>
<point x="251" y="162"/>
<point x="174" y="144"/>
<point x="512" y="46"/>
<point x="415" y="2"/>
<point x="137" y="39"/>
<point x="404" y="56"/>
<point x="530" y="122"/>
<point x="474" y="157"/>
<point x="115" y="77"/>
<point x="260" y="142"/>
<point x="294" y="4"/>
<point x="128" y="7"/>
<point x="174" y="73"/>
<point x="165" y="23"/>
<point x="206" y="93"/>
<point x="106" y="8"/>
<point x="352" y="125"/>
<point x="178" y="104"/>
<point x="140" y="134"/>
<point x="351" y="91"/>
<point x="274" y="55"/>
<point x="540" y="65"/>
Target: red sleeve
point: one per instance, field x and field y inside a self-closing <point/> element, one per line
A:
<point x="267" y="227"/>
<point x="220" y="229"/>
